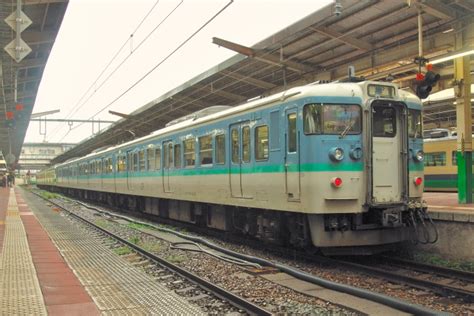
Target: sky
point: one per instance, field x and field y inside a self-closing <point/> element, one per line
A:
<point x="78" y="82"/>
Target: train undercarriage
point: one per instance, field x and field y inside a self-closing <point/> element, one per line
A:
<point x="334" y="234"/>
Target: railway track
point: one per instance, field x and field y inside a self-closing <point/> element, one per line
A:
<point x="234" y="300"/>
<point x="412" y="308"/>
<point x="439" y="280"/>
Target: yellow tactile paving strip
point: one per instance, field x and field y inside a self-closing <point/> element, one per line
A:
<point x="20" y="293"/>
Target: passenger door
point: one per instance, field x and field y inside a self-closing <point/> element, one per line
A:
<point x="167" y="165"/>
<point x="240" y="160"/>
<point x="130" y="168"/>
<point x="292" y="155"/>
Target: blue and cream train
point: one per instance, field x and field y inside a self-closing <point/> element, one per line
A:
<point x="329" y="165"/>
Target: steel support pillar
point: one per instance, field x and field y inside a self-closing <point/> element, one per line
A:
<point x="462" y="90"/>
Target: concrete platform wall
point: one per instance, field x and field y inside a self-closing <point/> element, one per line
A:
<point x="456" y="240"/>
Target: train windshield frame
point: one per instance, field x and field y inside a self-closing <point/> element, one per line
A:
<point x="332" y="119"/>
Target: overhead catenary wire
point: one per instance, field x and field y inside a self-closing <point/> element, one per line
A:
<point x="78" y="104"/>
<point x="131" y="52"/>
<point x="157" y="65"/>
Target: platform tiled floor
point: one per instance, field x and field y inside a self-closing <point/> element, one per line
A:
<point x="20" y="292"/>
<point x="117" y="287"/>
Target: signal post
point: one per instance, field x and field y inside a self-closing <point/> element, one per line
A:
<point x="462" y="91"/>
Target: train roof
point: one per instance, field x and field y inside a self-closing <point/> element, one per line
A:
<point x="335" y="89"/>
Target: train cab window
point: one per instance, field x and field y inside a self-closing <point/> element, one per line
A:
<point x="150" y="158"/>
<point x="414" y="124"/>
<point x="205" y="150"/>
<point x="246" y="144"/>
<point x="292" y="133"/>
<point x="261" y="143"/>
<point x="384" y="122"/>
<point x="220" y="149"/>
<point x="177" y="156"/>
<point x="341" y="119"/>
<point x="435" y="159"/>
<point x="189" y="152"/>
<point x="235" y="145"/>
<point x="157" y="158"/>
<point x="312" y="116"/>
<point x="141" y="160"/>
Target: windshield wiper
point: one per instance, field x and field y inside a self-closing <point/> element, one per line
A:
<point x="347" y="128"/>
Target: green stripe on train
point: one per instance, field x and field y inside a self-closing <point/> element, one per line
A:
<point x="328" y="167"/>
<point x="441" y="184"/>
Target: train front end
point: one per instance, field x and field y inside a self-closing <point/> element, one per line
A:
<point x="392" y="208"/>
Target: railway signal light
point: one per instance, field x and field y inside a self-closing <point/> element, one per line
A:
<point x="9" y="119"/>
<point x="425" y="83"/>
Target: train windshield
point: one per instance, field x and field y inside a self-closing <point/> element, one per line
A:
<point x="331" y="119"/>
<point x="414" y="124"/>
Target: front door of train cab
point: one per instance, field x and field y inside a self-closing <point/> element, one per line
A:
<point x="388" y="159"/>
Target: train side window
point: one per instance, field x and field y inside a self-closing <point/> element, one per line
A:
<point x="292" y="132"/>
<point x="235" y="145"/>
<point x="274" y="130"/>
<point x="157" y="158"/>
<point x="205" y="150"/>
<point x="246" y="144"/>
<point x="312" y="116"/>
<point x="150" y="158"/>
<point x="135" y="161"/>
<point x="435" y="159"/>
<point x="189" y="152"/>
<point x="111" y="166"/>
<point x="454" y="158"/>
<point x="384" y="122"/>
<point x="220" y="149"/>
<point x="261" y="143"/>
<point x="98" y="166"/>
<point x="121" y="165"/>
<point x="177" y="156"/>
<point x="141" y="159"/>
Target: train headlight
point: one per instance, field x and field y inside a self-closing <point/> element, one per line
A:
<point x="336" y="154"/>
<point x="419" y="156"/>
<point x="356" y="153"/>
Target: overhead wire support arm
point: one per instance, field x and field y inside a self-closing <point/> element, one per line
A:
<point x="268" y="58"/>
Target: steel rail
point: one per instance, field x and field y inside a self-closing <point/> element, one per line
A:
<point x="434" y="287"/>
<point x="429" y="268"/>
<point x="233" y="299"/>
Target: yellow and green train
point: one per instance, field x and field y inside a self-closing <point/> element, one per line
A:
<point x="440" y="163"/>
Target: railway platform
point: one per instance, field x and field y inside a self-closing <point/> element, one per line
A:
<point x="444" y="206"/>
<point x="455" y="223"/>
<point x="48" y="266"/>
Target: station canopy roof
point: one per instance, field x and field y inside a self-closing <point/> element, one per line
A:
<point x="378" y="37"/>
<point x="20" y="80"/>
